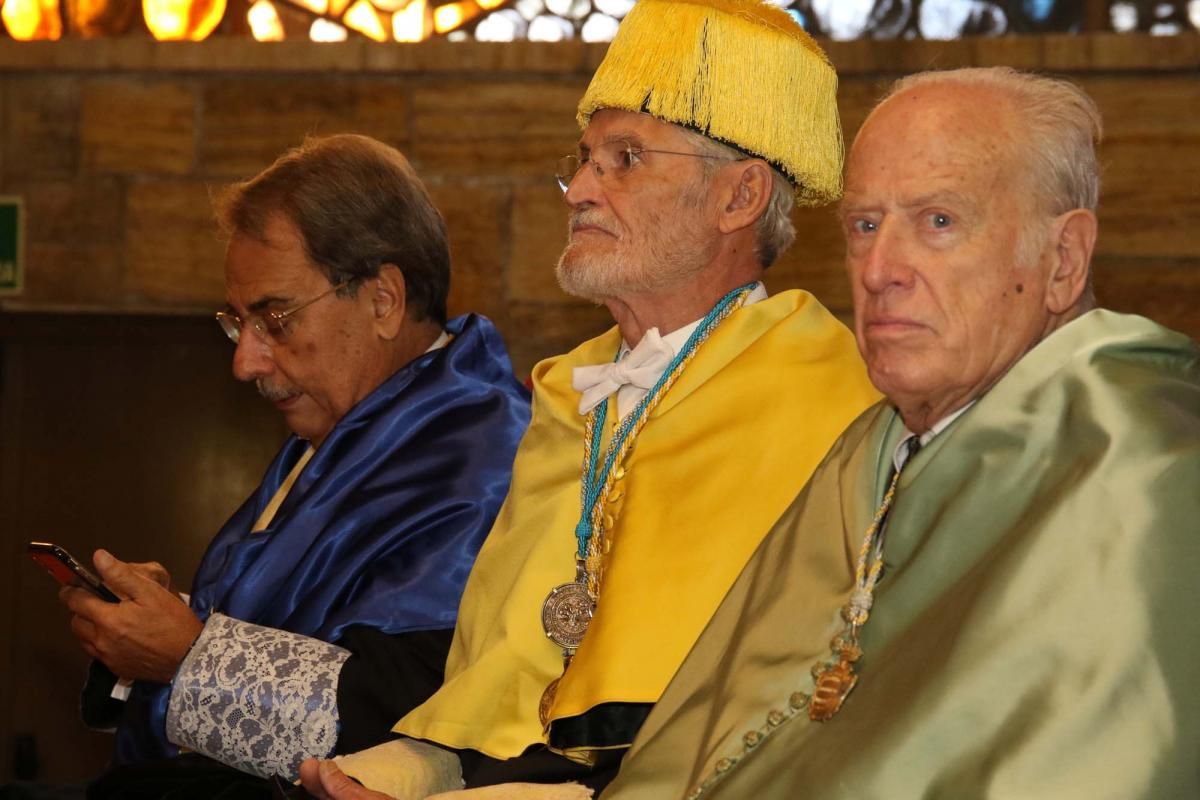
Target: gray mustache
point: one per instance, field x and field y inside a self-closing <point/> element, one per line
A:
<point x="272" y="393"/>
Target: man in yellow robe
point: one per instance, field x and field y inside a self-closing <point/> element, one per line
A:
<point x="704" y="410"/>
<point x="1020" y="623"/>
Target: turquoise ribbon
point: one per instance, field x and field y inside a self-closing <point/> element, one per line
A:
<point x="594" y="477"/>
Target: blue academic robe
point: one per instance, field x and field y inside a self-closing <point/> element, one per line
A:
<point x="381" y="527"/>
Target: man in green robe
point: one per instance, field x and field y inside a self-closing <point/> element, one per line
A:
<point x="1021" y="623"/>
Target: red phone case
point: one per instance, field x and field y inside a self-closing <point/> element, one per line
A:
<point x="67" y="571"/>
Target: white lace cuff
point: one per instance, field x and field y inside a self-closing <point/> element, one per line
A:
<point x="258" y="699"/>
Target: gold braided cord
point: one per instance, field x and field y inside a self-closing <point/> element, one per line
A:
<point x="864" y="579"/>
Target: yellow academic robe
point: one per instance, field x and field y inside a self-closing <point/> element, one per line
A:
<point x="720" y="458"/>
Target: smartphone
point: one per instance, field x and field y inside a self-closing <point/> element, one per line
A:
<point x="67" y="571"/>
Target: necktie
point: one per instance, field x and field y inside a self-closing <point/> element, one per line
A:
<point x="641" y="367"/>
<point x="913" y="446"/>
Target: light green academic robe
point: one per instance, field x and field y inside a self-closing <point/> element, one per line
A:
<point x="1036" y="633"/>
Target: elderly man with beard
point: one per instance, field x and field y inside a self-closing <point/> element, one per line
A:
<point x="988" y="587"/>
<point x="661" y="451"/>
<point x="360" y="537"/>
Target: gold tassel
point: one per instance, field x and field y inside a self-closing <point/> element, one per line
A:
<point x="744" y="73"/>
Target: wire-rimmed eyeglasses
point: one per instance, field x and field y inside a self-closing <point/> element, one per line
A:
<point x="272" y="326"/>
<point x="613" y="160"/>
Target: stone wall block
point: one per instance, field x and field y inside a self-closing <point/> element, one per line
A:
<point x="484" y="57"/>
<point x="477" y="221"/>
<point x="540" y="330"/>
<point x="509" y="129"/>
<point x="539" y="235"/>
<point x="247" y="124"/>
<point x="73" y="274"/>
<point x="856" y="98"/>
<point x="1019" y="52"/>
<point x="1144" y="108"/>
<point x="1166" y="291"/>
<point x="1116" y="51"/>
<point x="479" y="110"/>
<point x="138" y="127"/>
<point x="174" y="257"/>
<point x="229" y="53"/>
<point x="41" y="126"/>
<point x="852" y="57"/>
<point x="1064" y="52"/>
<point x="529" y="159"/>
<point x="1149" y="202"/>
<point x="83" y="211"/>
<point x="593" y="56"/>
<point x="815" y="262"/>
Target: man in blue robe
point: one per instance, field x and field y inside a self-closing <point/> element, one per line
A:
<point x="365" y="527"/>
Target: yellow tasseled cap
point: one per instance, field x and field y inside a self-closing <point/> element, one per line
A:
<point x="738" y="71"/>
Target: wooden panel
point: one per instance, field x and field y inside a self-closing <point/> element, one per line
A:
<point x="133" y="436"/>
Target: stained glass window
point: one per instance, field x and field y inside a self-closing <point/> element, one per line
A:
<point x="586" y="20"/>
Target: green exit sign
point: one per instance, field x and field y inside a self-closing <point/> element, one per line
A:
<point x="11" y="220"/>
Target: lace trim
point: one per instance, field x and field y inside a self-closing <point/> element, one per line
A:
<point x="258" y="699"/>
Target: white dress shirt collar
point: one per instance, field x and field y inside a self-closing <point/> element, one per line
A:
<point x="628" y="396"/>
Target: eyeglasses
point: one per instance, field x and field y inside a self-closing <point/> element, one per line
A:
<point x="613" y="161"/>
<point x="270" y="325"/>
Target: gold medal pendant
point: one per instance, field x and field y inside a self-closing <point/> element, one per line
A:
<point x="566" y="613"/>
<point x="834" y="684"/>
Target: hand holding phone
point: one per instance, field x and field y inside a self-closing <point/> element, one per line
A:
<point x="143" y="637"/>
<point x="67" y="571"/>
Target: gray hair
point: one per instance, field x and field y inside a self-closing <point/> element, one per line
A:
<point x="775" y="232"/>
<point x="357" y="205"/>
<point x="1061" y="125"/>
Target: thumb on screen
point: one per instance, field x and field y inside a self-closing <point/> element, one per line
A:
<point x="117" y="574"/>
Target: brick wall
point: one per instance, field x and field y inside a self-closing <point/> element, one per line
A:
<point x="116" y="144"/>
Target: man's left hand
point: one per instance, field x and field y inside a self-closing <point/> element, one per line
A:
<point x="323" y="780"/>
<point x="145" y="636"/>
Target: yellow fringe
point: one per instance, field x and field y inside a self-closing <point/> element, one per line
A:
<point x="739" y="71"/>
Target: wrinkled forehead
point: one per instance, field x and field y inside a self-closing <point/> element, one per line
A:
<point x="960" y="138"/>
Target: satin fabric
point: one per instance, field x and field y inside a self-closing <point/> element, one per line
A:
<point x="1034" y="634"/>
<point x="718" y="461"/>
<point x="382" y="526"/>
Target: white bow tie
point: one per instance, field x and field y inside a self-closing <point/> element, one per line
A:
<point x="642" y="367"/>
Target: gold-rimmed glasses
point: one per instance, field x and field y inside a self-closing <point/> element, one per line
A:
<point x="272" y="326"/>
<point x="613" y="160"/>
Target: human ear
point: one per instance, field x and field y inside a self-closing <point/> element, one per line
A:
<point x="749" y="195"/>
<point x="1074" y="241"/>
<point x="388" y="296"/>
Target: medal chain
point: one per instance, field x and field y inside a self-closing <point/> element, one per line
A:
<point x="833" y="679"/>
<point x="590" y="532"/>
<point x="595" y="491"/>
